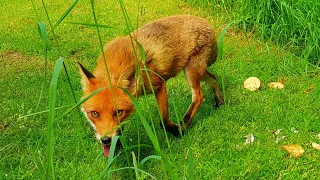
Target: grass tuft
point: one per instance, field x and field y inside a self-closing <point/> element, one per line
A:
<point x="292" y="23"/>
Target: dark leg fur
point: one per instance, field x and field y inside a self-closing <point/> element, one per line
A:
<point x="162" y="100"/>
<point x="211" y="79"/>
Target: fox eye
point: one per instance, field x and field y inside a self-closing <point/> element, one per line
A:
<point x="95" y="114"/>
<point x="119" y="113"/>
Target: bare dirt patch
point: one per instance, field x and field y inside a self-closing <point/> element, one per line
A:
<point x="14" y="55"/>
<point x="16" y="62"/>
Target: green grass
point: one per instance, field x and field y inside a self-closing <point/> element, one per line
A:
<point x="291" y="23"/>
<point x="214" y="144"/>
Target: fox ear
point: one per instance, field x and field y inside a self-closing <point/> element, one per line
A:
<point x="128" y="81"/>
<point x="86" y="76"/>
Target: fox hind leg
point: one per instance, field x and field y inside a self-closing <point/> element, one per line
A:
<point x="193" y="76"/>
<point x="211" y="79"/>
<point x="196" y="71"/>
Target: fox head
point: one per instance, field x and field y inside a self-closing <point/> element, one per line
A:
<point x="106" y="109"/>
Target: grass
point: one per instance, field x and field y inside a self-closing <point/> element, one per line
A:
<point x="291" y="23"/>
<point x="214" y="144"/>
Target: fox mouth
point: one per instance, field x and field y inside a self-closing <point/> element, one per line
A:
<point x="106" y="150"/>
<point x="106" y="147"/>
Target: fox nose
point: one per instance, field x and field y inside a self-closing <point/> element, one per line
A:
<point x="106" y="140"/>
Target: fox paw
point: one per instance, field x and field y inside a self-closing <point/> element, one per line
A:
<point x="174" y="130"/>
<point x="219" y="102"/>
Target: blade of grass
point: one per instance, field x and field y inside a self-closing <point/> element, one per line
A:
<point x="44" y="36"/>
<point x="111" y="158"/>
<point x="57" y="43"/>
<point x="138" y="124"/>
<point x="112" y="150"/>
<point x="91" y="24"/>
<point x="143" y="58"/>
<point x="35" y="10"/>
<point x="149" y="157"/>
<point x="190" y="165"/>
<point x="52" y="101"/>
<point x="126" y="17"/>
<point x="41" y="112"/>
<point x="64" y="15"/>
<point x="135" y="165"/>
<point x="220" y="53"/>
<point x="151" y="136"/>
<point x="107" y="72"/>
<point x="220" y="42"/>
<point x="145" y="124"/>
<point x="82" y="101"/>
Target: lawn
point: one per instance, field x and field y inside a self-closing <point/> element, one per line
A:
<point x="213" y="148"/>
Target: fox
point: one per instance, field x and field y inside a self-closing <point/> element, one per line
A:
<point x="170" y="44"/>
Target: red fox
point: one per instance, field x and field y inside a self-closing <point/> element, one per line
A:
<point x="171" y="44"/>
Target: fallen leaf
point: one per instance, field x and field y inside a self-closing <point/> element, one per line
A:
<point x="294" y="130"/>
<point x="277" y="131"/>
<point x="295" y="150"/>
<point x="252" y="83"/>
<point x="279" y="138"/>
<point x="309" y="89"/>
<point x="316" y="146"/>
<point x="276" y="85"/>
<point x="249" y="139"/>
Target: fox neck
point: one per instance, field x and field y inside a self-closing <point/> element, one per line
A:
<point x="126" y="69"/>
